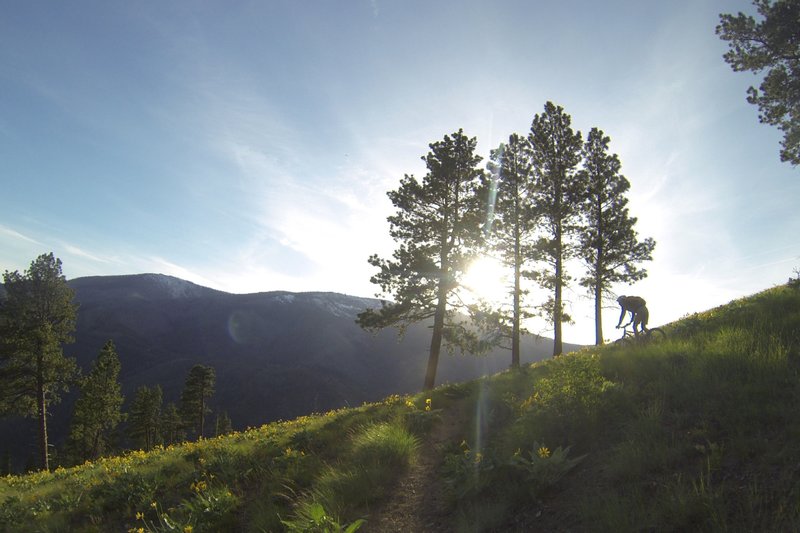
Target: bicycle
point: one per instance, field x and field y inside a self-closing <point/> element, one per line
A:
<point x="629" y="337"/>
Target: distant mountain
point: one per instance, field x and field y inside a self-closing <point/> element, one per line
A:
<point x="277" y="355"/>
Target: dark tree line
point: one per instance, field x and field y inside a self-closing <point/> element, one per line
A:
<point x="37" y="317"/>
<point x="546" y="199"/>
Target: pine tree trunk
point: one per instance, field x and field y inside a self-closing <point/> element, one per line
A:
<point x="598" y="314"/>
<point x="41" y="410"/>
<point x="515" y="329"/>
<point x="436" y="337"/>
<point x="557" y="343"/>
<point x="598" y="279"/>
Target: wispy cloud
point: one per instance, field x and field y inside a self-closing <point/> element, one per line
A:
<point x="17" y="235"/>
<point x="74" y="250"/>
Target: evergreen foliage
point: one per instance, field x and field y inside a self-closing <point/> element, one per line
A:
<point x="771" y="44"/>
<point x="609" y="245"/>
<point x="36" y="318"/>
<point x="198" y="388"/>
<point x="558" y="195"/>
<point x="222" y="424"/>
<point x="145" y="417"/>
<point x="97" y="411"/>
<point x="512" y="226"/>
<point x="171" y="425"/>
<point x="437" y="225"/>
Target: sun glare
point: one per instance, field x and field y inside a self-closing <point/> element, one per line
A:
<point x="485" y="280"/>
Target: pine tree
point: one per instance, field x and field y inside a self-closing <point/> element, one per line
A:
<point x="513" y="227"/>
<point x="222" y="425"/>
<point x="36" y="318"/>
<point x="171" y="425"/>
<point x="610" y="247"/>
<point x="145" y="416"/>
<point x="198" y="388"/>
<point x="97" y="411"/>
<point x="772" y="45"/>
<point x="558" y="197"/>
<point x="437" y="225"/>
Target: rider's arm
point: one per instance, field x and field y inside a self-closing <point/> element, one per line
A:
<point x="621" y="315"/>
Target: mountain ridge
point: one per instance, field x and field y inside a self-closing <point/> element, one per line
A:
<point x="277" y="354"/>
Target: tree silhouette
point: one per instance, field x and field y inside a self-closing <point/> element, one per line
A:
<point x="437" y="225"/>
<point x="609" y="245"/>
<point x="513" y="225"/>
<point x="145" y="416"/>
<point x="198" y="388"/>
<point x="97" y="410"/>
<point x="557" y="194"/>
<point x="36" y="318"/>
<point x="771" y="44"/>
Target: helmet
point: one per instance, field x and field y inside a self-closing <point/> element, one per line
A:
<point x="621" y="299"/>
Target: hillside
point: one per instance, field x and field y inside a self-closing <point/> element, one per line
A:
<point x="695" y="433"/>
<point x="277" y="355"/>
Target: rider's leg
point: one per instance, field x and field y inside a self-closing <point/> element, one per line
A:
<point x="643" y="315"/>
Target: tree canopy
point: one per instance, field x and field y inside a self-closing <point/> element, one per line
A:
<point x="609" y="245"/>
<point x="97" y="411"/>
<point x="771" y="44"/>
<point x="437" y="225"/>
<point x="558" y="194"/>
<point x="36" y="318"/>
<point x="198" y="388"/>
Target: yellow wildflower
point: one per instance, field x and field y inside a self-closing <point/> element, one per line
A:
<point x="428" y="404"/>
<point x="543" y="452"/>
<point x="139" y="516"/>
<point x="188" y="529"/>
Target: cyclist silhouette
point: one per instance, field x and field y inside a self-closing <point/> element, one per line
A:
<point x="637" y="307"/>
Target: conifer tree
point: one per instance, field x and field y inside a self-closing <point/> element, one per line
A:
<point x="37" y="316"/>
<point x="609" y="246"/>
<point x="198" y="388"/>
<point x="171" y="425"/>
<point x="97" y="410"/>
<point x="558" y="197"/>
<point x="437" y="226"/>
<point x="513" y="224"/>
<point x="771" y="44"/>
<point x="145" y="416"/>
<point x="222" y="424"/>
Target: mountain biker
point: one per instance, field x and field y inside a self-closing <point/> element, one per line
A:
<point x="637" y="307"/>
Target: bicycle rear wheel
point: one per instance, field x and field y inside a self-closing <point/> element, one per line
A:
<point x="656" y="334"/>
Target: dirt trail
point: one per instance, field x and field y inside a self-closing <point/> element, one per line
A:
<point x="417" y="504"/>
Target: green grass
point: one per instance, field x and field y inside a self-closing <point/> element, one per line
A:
<point x="700" y="432"/>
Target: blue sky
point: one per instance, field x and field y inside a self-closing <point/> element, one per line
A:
<point x="248" y="146"/>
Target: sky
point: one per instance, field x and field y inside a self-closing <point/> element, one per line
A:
<point x="249" y="146"/>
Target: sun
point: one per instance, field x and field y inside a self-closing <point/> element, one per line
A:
<point x="486" y="279"/>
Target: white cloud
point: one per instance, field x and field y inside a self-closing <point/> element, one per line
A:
<point x="19" y="236"/>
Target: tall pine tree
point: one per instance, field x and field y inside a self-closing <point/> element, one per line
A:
<point x="97" y="410"/>
<point x="171" y="425"/>
<point x="36" y="318"/>
<point x="145" y="417"/>
<point x="557" y="194"/>
<point x="609" y="246"/>
<point x="513" y="226"/>
<point x="198" y="388"/>
<point x="437" y="225"/>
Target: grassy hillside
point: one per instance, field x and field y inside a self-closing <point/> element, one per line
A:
<point x="698" y="432"/>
